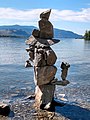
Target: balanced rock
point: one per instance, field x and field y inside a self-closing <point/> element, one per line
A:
<point x="51" y="57"/>
<point x="45" y="26"/>
<point x="44" y="55"/>
<point x="39" y="58"/>
<point x="27" y="64"/>
<point x="46" y="42"/>
<point x="63" y="82"/>
<point x="44" y="75"/>
<point x="43" y="58"/>
<point x="31" y="41"/>
<point x="64" y="67"/>
<point x="31" y="54"/>
<point x="46" y="29"/>
<point x="36" y="33"/>
<point x="45" y="14"/>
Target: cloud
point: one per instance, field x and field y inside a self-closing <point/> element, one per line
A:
<point x="88" y="4"/>
<point x="31" y="16"/>
<point x="75" y="16"/>
<point x="16" y="16"/>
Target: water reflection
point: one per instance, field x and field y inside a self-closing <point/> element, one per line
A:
<point x="86" y="45"/>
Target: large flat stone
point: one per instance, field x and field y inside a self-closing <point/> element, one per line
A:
<point x="47" y="42"/>
<point x="62" y="83"/>
<point x="31" y="40"/>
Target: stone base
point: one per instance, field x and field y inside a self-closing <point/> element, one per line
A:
<point x="44" y="95"/>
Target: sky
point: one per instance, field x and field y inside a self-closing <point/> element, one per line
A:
<point x="72" y="15"/>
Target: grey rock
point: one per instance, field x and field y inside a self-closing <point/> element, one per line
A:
<point x="51" y="57"/>
<point x="39" y="58"/>
<point x="62" y="83"/>
<point x="64" y="67"/>
<point x="44" y="56"/>
<point x="31" y="54"/>
<point x="47" y="42"/>
<point x="45" y="26"/>
<point x="52" y="41"/>
<point x="31" y="40"/>
<point x="36" y="33"/>
<point x="44" y="75"/>
<point x="44" y="95"/>
<point x="27" y="49"/>
<point x="44" y="59"/>
<point x="45" y="14"/>
<point x="28" y="64"/>
<point x="31" y="48"/>
<point x="41" y="43"/>
<point x="4" y="109"/>
<point x="46" y="29"/>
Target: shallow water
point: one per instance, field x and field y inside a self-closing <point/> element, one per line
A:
<point x="77" y="53"/>
<point x="16" y="81"/>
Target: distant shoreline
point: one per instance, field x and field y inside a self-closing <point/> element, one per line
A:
<point x="25" y="31"/>
<point x="13" y="36"/>
<point x="28" y="36"/>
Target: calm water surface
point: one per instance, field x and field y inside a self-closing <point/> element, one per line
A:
<point x="16" y="81"/>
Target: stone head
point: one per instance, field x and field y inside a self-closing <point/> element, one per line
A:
<point x="45" y="14"/>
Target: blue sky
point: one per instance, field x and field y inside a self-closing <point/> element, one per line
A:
<point x="71" y="15"/>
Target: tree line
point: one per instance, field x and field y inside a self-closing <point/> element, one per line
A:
<point x="87" y="35"/>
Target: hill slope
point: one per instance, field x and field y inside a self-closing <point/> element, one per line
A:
<point x="65" y="34"/>
<point x="25" y="31"/>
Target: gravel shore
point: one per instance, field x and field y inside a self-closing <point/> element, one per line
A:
<point x="24" y="110"/>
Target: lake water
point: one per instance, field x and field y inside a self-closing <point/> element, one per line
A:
<point x="16" y="81"/>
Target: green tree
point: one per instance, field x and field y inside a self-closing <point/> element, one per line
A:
<point x="87" y="35"/>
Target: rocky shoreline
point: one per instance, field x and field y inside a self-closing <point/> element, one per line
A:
<point x="24" y="110"/>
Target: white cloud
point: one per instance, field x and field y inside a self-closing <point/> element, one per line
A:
<point x="75" y="16"/>
<point x="88" y="4"/>
<point x="28" y="17"/>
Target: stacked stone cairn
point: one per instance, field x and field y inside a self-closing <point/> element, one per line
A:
<point x="43" y="58"/>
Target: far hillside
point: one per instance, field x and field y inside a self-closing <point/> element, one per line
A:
<point x="25" y="31"/>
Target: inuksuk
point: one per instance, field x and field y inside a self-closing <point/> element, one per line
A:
<point x="44" y="58"/>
